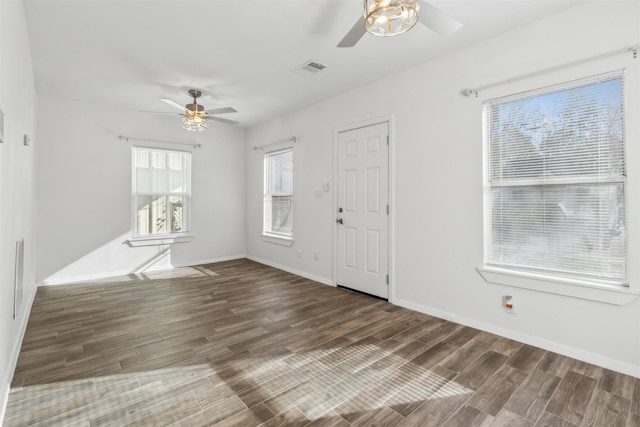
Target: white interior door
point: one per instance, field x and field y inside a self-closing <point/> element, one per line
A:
<point x="363" y="219"/>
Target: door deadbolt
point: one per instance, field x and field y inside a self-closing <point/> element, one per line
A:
<point x="339" y="209"/>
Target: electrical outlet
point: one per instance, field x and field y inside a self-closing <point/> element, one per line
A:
<point x="315" y="255"/>
<point x="508" y="304"/>
<point x="299" y="253"/>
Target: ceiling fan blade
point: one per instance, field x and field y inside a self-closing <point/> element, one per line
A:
<point x="437" y="20"/>
<point x="354" y="35"/>
<point x="218" y="119"/>
<point x="222" y="110"/>
<point x="173" y="104"/>
<point x="163" y="113"/>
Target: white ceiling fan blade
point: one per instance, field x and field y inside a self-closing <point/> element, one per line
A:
<point x="437" y="20"/>
<point x="223" y="110"/>
<point x="163" y="113"/>
<point x="173" y="104"/>
<point x="354" y="35"/>
<point x="218" y="119"/>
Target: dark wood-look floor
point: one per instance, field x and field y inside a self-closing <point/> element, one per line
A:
<point x="251" y="345"/>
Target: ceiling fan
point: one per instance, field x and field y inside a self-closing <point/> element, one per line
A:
<point x="392" y="17"/>
<point x="194" y="115"/>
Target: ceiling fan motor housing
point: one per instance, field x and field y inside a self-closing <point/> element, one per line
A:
<point x="195" y="107"/>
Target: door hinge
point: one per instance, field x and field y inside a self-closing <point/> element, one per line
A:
<point x="387" y="279"/>
<point x="387" y="209"/>
<point x="387" y="139"/>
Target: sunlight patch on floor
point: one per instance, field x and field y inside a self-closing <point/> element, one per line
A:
<point x="361" y="381"/>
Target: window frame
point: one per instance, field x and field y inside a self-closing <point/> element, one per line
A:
<point x="168" y="237"/>
<point x="614" y="292"/>
<point x="269" y="235"/>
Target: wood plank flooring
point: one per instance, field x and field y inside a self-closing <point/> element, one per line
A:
<point x="242" y="344"/>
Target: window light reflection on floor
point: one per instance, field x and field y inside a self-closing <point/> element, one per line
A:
<point x="320" y="383"/>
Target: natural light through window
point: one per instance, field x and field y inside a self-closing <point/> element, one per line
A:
<point x="161" y="191"/>
<point x="278" y="193"/>
<point x="555" y="181"/>
<point x="329" y="378"/>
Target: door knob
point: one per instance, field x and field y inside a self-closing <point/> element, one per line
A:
<point x="339" y="220"/>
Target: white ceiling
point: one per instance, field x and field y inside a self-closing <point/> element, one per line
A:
<point x="126" y="55"/>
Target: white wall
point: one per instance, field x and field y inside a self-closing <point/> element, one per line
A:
<point x="17" y="183"/>
<point x="84" y="192"/>
<point x="437" y="182"/>
<point x="312" y="215"/>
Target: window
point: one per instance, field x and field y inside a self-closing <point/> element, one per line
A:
<point x="161" y="192"/>
<point x="555" y="181"/>
<point x="278" y="193"/>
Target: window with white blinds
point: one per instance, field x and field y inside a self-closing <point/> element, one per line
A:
<point x="278" y="193"/>
<point x="555" y="181"/>
<point x="161" y="191"/>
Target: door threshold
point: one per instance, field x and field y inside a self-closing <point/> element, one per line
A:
<point x="363" y="293"/>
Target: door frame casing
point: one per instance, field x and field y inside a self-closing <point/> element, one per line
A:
<point x="389" y="119"/>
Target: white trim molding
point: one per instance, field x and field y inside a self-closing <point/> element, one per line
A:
<point x="575" y="353"/>
<point x="610" y="294"/>
<point x="319" y="279"/>
<point x="159" y="240"/>
<point x="15" y="353"/>
<point x="207" y="261"/>
<point x="278" y="240"/>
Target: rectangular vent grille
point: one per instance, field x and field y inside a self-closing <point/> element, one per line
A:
<point x="312" y="66"/>
<point x="19" y="278"/>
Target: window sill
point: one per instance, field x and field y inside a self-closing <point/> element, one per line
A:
<point x="592" y="291"/>
<point x="166" y="239"/>
<point x="278" y="240"/>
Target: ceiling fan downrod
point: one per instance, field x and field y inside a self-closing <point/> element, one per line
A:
<point x="195" y="108"/>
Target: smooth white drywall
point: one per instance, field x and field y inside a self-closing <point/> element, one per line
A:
<point x="17" y="183"/>
<point x="84" y="192"/>
<point x="437" y="182"/>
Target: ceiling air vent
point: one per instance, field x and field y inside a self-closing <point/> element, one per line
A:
<point x="312" y="66"/>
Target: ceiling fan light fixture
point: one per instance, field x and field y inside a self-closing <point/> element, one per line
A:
<point x="386" y="18"/>
<point x="194" y="122"/>
<point x="193" y="119"/>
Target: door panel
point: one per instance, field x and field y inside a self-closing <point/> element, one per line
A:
<point x="350" y="190"/>
<point x="373" y="251"/>
<point x="350" y="248"/>
<point x="373" y="190"/>
<point x="363" y="197"/>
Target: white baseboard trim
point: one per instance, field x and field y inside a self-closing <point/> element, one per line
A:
<point x="90" y="277"/>
<point x="15" y="353"/>
<point x="100" y="276"/>
<point x="304" y="274"/>
<point x="207" y="261"/>
<point x="575" y="353"/>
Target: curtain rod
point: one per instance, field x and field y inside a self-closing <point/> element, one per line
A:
<point x="633" y="50"/>
<point x="128" y="138"/>
<point x="293" y="140"/>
